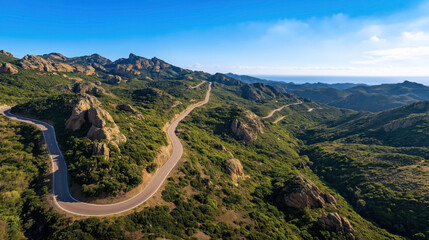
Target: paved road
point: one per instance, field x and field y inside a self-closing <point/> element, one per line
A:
<point x="280" y="108"/>
<point x="60" y="186"/>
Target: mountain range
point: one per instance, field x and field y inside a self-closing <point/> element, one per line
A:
<point x="260" y="160"/>
<point x="372" y="98"/>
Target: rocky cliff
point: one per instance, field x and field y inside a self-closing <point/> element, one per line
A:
<point x="8" y="68"/>
<point x="235" y="169"/>
<point x="50" y="64"/>
<point x="8" y="54"/>
<point x="247" y="126"/>
<point x="335" y="223"/>
<point x="303" y="193"/>
<point x="405" y="122"/>
<point x="103" y="125"/>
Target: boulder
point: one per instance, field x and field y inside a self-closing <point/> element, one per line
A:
<point x="235" y="169"/>
<point x="3" y="52"/>
<point x="247" y="126"/>
<point x="335" y="223"/>
<point x="100" y="149"/>
<point x="8" y="68"/>
<point x="303" y="193"/>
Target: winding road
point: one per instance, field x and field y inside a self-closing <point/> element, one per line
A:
<point x="280" y="108"/>
<point x="60" y="186"/>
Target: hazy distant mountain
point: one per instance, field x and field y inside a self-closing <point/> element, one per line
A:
<point x="369" y="98"/>
<point x="289" y="86"/>
<point x="353" y="96"/>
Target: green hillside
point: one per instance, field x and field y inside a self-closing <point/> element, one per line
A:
<point x="241" y="175"/>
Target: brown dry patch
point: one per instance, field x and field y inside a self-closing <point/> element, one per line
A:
<point x="231" y="217"/>
<point x="200" y="235"/>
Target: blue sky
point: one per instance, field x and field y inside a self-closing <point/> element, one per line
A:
<point x="330" y="37"/>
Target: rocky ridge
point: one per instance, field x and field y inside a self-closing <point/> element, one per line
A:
<point x="34" y="62"/>
<point x="8" y="54"/>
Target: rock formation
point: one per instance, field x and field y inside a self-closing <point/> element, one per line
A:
<point x="78" y="117"/>
<point x="8" y="68"/>
<point x="113" y="79"/>
<point x="50" y="65"/>
<point x="3" y="52"/>
<point x="88" y="88"/>
<point x="103" y="125"/>
<point x="247" y="126"/>
<point x="404" y="122"/>
<point x="235" y="169"/>
<point x="100" y="149"/>
<point x="335" y="223"/>
<point x="303" y="193"/>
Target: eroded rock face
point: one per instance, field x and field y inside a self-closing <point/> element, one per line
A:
<point x="78" y="117"/>
<point x="3" y="52"/>
<point x="404" y="123"/>
<point x="303" y="193"/>
<point x="103" y="125"/>
<point x="114" y="79"/>
<point x="101" y="149"/>
<point x="235" y="169"/>
<point x="335" y="223"/>
<point x="88" y="88"/>
<point x="8" y="68"/>
<point x="50" y="65"/>
<point x="247" y="127"/>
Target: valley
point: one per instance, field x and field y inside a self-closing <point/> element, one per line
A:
<point x="247" y="159"/>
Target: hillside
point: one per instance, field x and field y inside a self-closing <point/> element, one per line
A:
<point x="352" y="96"/>
<point x="369" y="98"/>
<point x="244" y="173"/>
<point x="290" y="86"/>
<point x="379" y="163"/>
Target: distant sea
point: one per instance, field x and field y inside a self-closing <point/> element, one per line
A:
<point x="346" y="79"/>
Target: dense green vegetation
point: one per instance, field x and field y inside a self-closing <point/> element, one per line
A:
<point x="369" y="98"/>
<point x="371" y="172"/>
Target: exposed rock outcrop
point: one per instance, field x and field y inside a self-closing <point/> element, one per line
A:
<point x="247" y="126"/>
<point x="222" y="78"/>
<point x="235" y="169"/>
<point x="101" y="149"/>
<point x="335" y="223"/>
<point x="103" y="125"/>
<point x="113" y="79"/>
<point x="88" y="88"/>
<point x="404" y="122"/>
<point x="8" y="68"/>
<point x="3" y="52"/>
<point x="303" y="193"/>
<point x="50" y="65"/>
<point x="78" y="117"/>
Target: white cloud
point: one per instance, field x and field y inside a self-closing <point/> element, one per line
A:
<point x="395" y="54"/>
<point x="375" y="40"/>
<point x="416" y="36"/>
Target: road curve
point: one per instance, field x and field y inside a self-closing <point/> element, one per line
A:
<point x="280" y="108"/>
<point x="60" y="187"/>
